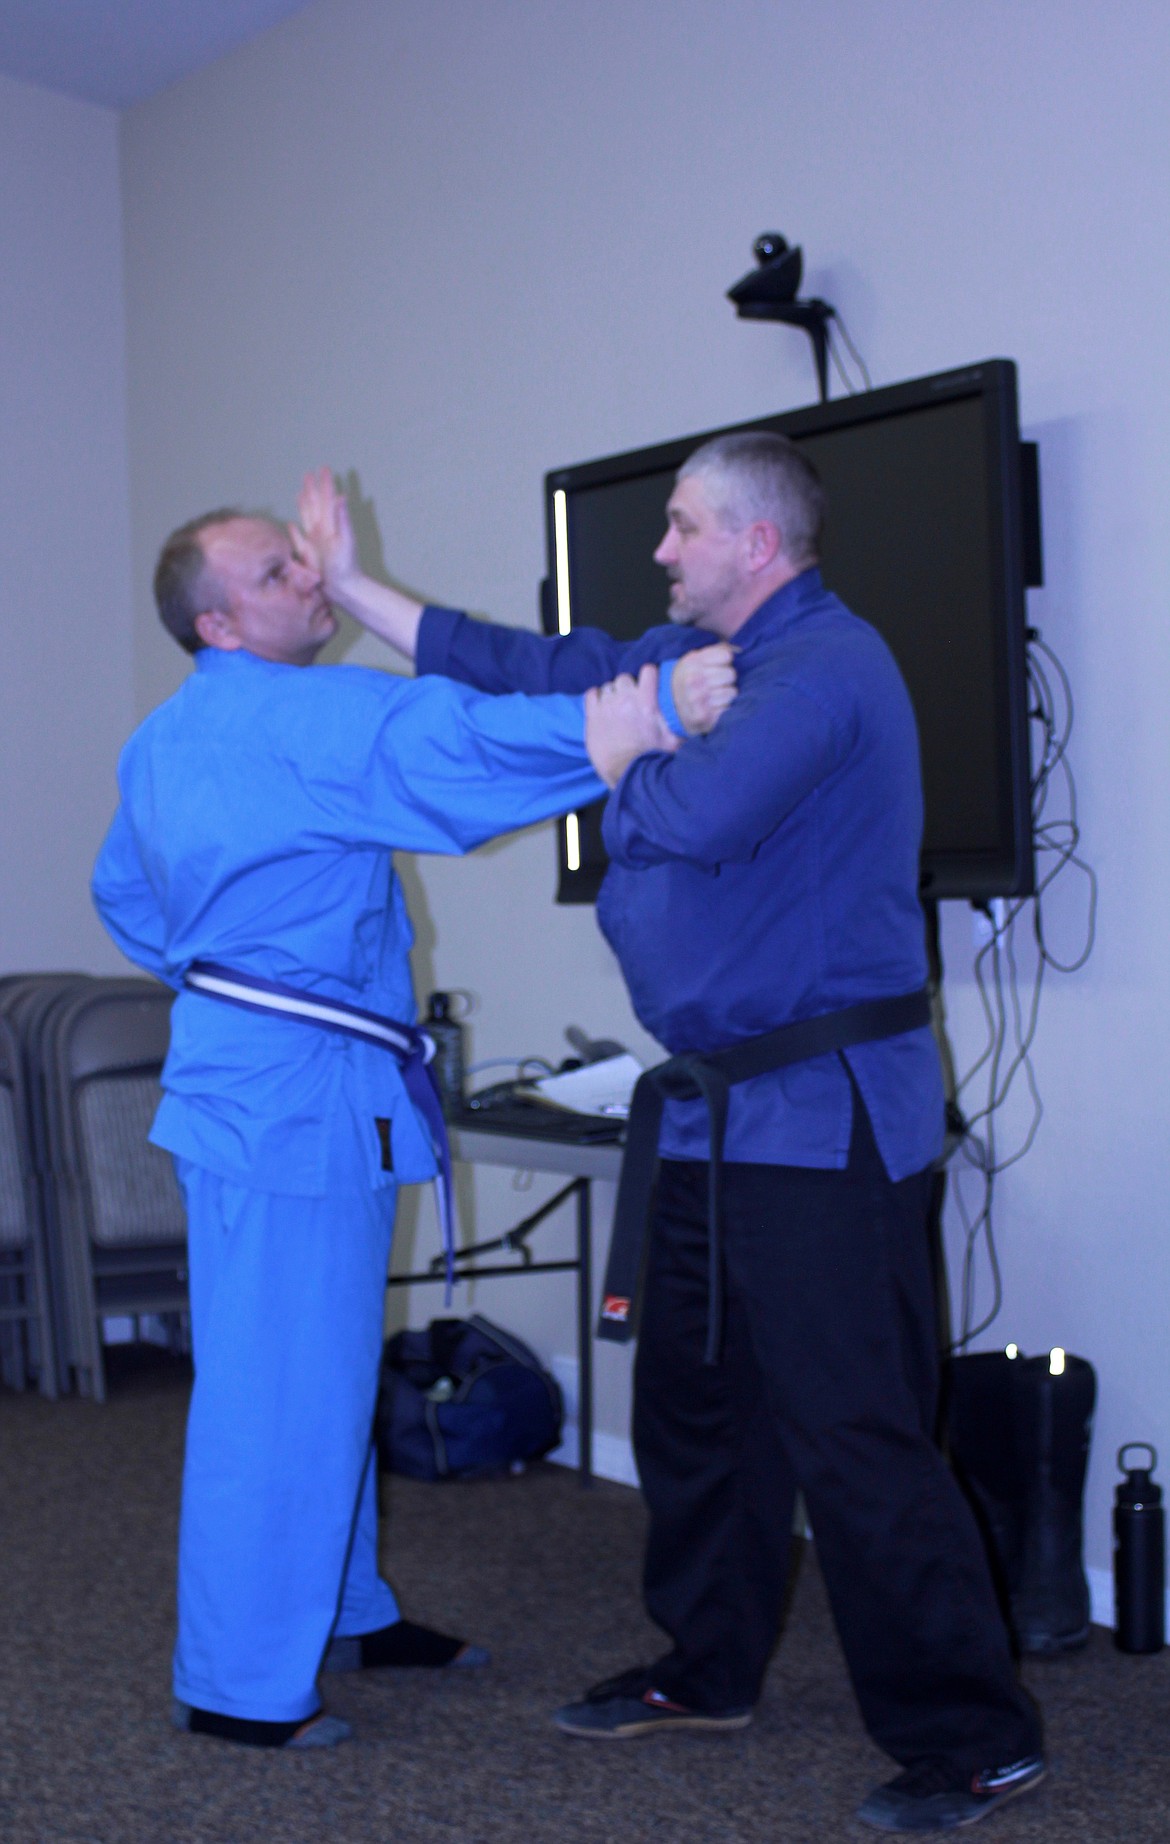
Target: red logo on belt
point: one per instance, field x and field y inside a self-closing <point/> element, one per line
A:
<point x="615" y="1306"/>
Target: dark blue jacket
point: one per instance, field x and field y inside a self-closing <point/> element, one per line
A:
<point x="764" y="873"/>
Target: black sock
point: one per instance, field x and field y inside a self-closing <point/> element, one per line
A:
<point x="404" y="1643"/>
<point x="246" y="1729"/>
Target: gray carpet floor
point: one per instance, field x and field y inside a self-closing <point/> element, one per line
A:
<point x="544" y="1574"/>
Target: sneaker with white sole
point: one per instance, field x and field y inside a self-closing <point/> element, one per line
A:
<point x="623" y="1708"/>
<point x="931" y="1797"/>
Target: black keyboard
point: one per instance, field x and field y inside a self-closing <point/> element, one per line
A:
<point x="535" y="1121"/>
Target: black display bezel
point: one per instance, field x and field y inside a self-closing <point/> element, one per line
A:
<point x="974" y="874"/>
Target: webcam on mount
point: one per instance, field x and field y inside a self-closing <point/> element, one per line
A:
<point x="768" y="292"/>
<point x="776" y="280"/>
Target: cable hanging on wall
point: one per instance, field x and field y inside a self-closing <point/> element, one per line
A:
<point x="1009" y="998"/>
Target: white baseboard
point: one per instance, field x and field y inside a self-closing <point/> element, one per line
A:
<point x="1100" y="1596"/>
<point x="145" y="1328"/>
<point x="613" y="1456"/>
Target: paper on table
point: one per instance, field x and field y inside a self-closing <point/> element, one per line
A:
<point x="596" y="1088"/>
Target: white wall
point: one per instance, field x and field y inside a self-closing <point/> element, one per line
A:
<point x="452" y="246"/>
<point x="66" y="690"/>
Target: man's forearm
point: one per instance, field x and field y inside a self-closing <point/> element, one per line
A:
<point x="389" y="613"/>
<point x="494" y="658"/>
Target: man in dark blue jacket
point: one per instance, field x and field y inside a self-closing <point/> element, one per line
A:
<point x="767" y="873"/>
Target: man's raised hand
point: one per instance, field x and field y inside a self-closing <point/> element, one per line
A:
<point x="325" y="539"/>
<point x="622" y="721"/>
<point x="325" y="530"/>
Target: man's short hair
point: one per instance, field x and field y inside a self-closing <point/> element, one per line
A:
<point x="758" y="475"/>
<point x="184" y="587"/>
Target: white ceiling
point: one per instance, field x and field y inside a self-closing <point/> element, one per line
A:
<point x="119" y="52"/>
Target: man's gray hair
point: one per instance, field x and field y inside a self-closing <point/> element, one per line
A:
<point x="757" y="475"/>
<point x="183" y="585"/>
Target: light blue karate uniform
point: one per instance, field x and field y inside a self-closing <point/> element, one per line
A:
<point x="260" y="807"/>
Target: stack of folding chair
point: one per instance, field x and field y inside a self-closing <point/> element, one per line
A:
<point x="27" y="1345"/>
<point x="23" y="1000"/>
<point x="111" y="1213"/>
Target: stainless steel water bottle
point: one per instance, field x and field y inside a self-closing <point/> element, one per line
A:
<point x="448" y="1059"/>
<point x="1139" y="1556"/>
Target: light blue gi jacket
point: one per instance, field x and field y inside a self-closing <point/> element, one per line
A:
<point x="260" y="809"/>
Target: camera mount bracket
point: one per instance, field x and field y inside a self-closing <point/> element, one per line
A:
<point x="813" y="316"/>
<point x="768" y="292"/>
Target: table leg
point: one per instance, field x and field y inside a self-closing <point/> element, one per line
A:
<point x="585" y="1332"/>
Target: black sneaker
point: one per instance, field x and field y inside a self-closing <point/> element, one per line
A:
<point x="929" y="1798"/>
<point x="622" y="1708"/>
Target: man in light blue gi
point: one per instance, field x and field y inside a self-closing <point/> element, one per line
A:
<point x="260" y="807"/>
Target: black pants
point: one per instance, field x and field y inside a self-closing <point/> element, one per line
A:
<point x="826" y="1383"/>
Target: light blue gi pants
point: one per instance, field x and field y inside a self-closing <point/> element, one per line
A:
<point x="278" y="1535"/>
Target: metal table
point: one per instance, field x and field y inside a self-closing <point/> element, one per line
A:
<point x="582" y="1164"/>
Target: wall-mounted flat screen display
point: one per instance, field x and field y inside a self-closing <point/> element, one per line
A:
<point x="928" y="526"/>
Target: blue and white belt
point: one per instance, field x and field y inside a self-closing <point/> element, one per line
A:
<point x="411" y="1049"/>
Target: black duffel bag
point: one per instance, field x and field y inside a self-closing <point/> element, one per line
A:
<point x="461" y="1399"/>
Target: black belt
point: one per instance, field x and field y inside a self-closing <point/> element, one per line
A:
<point x="708" y="1076"/>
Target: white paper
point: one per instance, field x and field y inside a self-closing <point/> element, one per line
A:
<point x="596" y="1088"/>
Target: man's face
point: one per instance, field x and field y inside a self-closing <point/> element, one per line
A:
<point x="702" y="558"/>
<point x="266" y="601"/>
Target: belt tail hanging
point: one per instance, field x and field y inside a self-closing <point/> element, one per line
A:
<point x="411" y="1049"/>
<point x="423" y="1090"/>
<point x="681" y="1077"/>
<point x="622" y="1286"/>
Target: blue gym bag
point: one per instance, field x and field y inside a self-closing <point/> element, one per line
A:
<point x="462" y="1399"/>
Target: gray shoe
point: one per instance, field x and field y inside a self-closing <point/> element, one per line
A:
<point x="929" y="1798"/>
<point x="622" y="1708"/>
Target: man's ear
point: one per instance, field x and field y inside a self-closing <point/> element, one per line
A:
<point x="216" y="628"/>
<point x="764" y="544"/>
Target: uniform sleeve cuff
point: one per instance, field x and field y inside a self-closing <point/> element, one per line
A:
<point x="436" y="631"/>
<point x="666" y="704"/>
